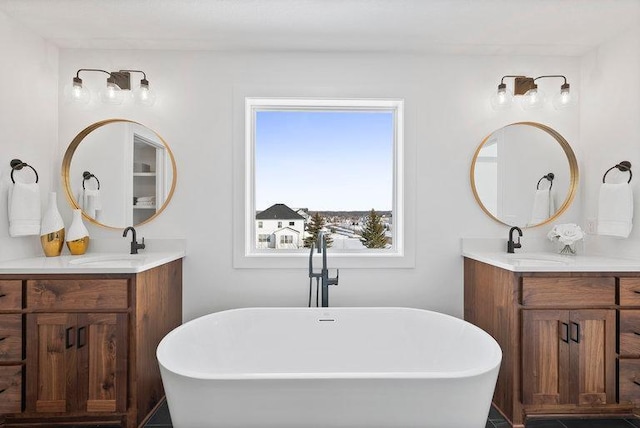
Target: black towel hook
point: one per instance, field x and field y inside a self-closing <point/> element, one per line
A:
<point x="622" y="166"/>
<point x="549" y="177"/>
<point x="17" y="164"/>
<point x="87" y="176"/>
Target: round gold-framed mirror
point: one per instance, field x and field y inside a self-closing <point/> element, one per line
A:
<point x="119" y="173"/>
<point x="524" y="174"/>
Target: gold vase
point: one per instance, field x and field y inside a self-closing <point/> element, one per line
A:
<point x="78" y="246"/>
<point x="52" y="243"/>
<point x="77" y="235"/>
<point x="52" y="229"/>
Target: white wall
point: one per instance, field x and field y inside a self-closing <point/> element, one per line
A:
<point x="610" y="128"/>
<point x="447" y="116"/>
<point x="28" y="122"/>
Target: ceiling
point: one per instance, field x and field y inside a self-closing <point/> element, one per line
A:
<point x="523" y="27"/>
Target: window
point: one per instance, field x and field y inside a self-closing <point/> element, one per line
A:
<point x="336" y="158"/>
<point x="279" y="224"/>
<point x="286" y="239"/>
<point x="264" y="238"/>
<point x="259" y="225"/>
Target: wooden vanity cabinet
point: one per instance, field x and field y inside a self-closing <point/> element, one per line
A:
<point x="77" y="363"/>
<point x="11" y="347"/>
<point x="568" y="357"/>
<point x="88" y="355"/>
<point x="559" y="333"/>
<point x="629" y="321"/>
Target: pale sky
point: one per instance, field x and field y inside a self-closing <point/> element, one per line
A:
<point x="324" y="160"/>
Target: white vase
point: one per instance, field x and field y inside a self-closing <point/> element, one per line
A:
<point x="77" y="235"/>
<point x="52" y="228"/>
<point x="568" y="249"/>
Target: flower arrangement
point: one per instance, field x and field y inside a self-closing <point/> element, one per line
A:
<point x="567" y="234"/>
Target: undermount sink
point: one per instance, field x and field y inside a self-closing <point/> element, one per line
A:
<point x="110" y="260"/>
<point x="536" y="259"/>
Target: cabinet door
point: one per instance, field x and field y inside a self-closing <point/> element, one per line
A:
<point x="102" y="362"/>
<point x="593" y="356"/>
<point x="51" y="363"/>
<point x="545" y="357"/>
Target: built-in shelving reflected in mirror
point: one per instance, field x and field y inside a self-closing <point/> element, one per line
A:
<point x="119" y="172"/>
<point x="524" y="174"/>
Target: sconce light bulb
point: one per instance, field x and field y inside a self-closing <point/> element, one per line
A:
<point x="501" y="100"/>
<point x="112" y="94"/>
<point x="144" y="95"/>
<point x="533" y="99"/>
<point x="76" y="92"/>
<point x="564" y="99"/>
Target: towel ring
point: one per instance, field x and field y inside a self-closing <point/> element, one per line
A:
<point x="549" y="177"/>
<point x="87" y="176"/>
<point x="17" y="164"/>
<point x="622" y="166"/>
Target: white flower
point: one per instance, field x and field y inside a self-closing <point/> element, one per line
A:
<point x="566" y="233"/>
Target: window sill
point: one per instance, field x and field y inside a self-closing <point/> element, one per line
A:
<point x="335" y="261"/>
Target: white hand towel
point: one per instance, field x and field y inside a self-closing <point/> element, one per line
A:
<point x="91" y="202"/>
<point x="24" y="209"/>
<point x="615" y="209"/>
<point x="541" y="210"/>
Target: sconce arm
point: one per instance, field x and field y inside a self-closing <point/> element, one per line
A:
<point x="565" y="84"/>
<point x="509" y="75"/>
<point x="91" y="69"/>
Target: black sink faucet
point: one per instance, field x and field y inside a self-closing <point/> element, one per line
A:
<point x="134" y="243"/>
<point x="510" y="244"/>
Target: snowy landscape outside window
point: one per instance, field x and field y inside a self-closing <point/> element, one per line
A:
<point x="324" y="165"/>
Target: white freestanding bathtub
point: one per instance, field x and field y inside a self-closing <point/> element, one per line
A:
<point x="329" y="367"/>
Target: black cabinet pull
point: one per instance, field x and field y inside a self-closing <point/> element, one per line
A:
<point x="565" y="333"/>
<point x="575" y="338"/>
<point x="2" y="390"/>
<point x="636" y="291"/>
<point x="3" y="338"/>
<point x="636" y="333"/>
<point x="82" y="337"/>
<point x="636" y="382"/>
<point x="2" y="295"/>
<point x="69" y="337"/>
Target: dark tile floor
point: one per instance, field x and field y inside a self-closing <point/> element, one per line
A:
<point x="162" y="419"/>
<point x="497" y="421"/>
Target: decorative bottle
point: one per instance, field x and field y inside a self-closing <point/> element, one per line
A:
<point x="77" y="235"/>
<point x="52" y="229"/>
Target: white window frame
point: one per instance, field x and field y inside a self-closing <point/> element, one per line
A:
<point x="246" y="255"/>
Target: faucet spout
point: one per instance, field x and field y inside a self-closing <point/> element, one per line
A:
<point x="126" y="231"/>
<point x="511" y="245"/>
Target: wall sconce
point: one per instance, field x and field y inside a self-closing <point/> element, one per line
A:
<point x="113" y="92"/>
<point x="532" y="97"/>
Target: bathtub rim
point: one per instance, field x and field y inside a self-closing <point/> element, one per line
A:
<point x="197" y="375"/>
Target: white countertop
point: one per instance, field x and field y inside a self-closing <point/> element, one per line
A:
<point x="107" y="262"/>
<point x="551" y="262"/>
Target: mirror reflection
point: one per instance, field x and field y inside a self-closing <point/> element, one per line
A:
<point x="524" y="174"/>
<point x="119" y="172"/>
